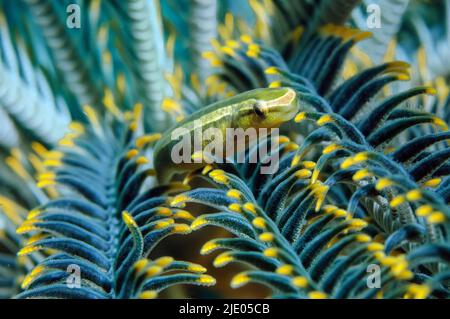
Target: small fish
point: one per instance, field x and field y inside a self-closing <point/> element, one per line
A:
<point x="260" y="108"/>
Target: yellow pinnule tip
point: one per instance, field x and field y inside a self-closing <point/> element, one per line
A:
<point x="77" y="127"/>
<point x="141" y="160"/>
<point x="414" y="195"/>
<point x="164" y="223"/>
<point x="275" y="84"/>
<point x="252" y="53"/>
<point x="28" y="250"/>
<point x="128" y="219"/>
<point x="295" y="160"/>
<point x="239" y="280"/>
<point x="300" y="282"/>
<point x="331" y="148"/>
<point x="397" y="201"/>
<point x="375" y="247"/>
<point x="147" y="139"/>
<point x="234" y="193"/>
<point x="197" y="268"/>
<point x="434" y="182"/>
<point x="285" y="269"/>
<point x="223" y="259"/>
<point x="305" y="173"/>
<point x="198" y="223"/>
<point x="208" y="247"/>
<point x="148" y="294"/>
<point x="328" y="209"/>
<point x="271" y="252"/>
<point x="419" y="291"/>
<point x="141" y="264"/>
<point x="68" y="142"/>
<point x="45" y="183"/>
<point x="33" y="213"/>
<point x="208" y="55"/>
<point x="271" y="70"/>
<point x="266" y="237"/>
<point x="183" y="214"/>
<point x="163" y="211"/>
<point x="216" y="172"/>
<point x="220" y="178"/>
<point x="300" y="117"/>
<point x="424" y="210"/>
<point x="363" y="238"/>
<point x="259" y="222"/>
<point x="441" y="123"/>
<point x="289" y="147"/>
<point x="233" y="44"/>
<point x="206" y="280"/>
<point x="347" y="163"/>
<point x="32" y="275"/>
<point x="399" y="267"/>
<point x="133" y="126"/>
<point x="379" y="255"/>
<point x="153" y="271"/>
<point x="324" y="119"/>
<point x="361" y="174"/>
<point x="317" y="295"/>
<point x="25" y="228"/>
<point x="246" y="38"/>
<point x="339" y="213"/>
<point x="383" y="183"/>
<point x="227" y="50"/>
<point x="131" y="153"/>
<point x="250" y="207"/>
<point x="361" y="157"/>
<point x="430" y="91"/>
<point x="403" y="77"/>
<point x="47" y="176"/>
<point x="254" y="47"/>
<point x="357" y="223"/>
<point x="405" y="275"/>
<point x="235" y="207"/>
<point x="398" y="65"/>
<point x="283" y="139"/>
<point x="436" y="218"/>
<point x="164" y="261"/>
<point x="181" y="229"/>
<point x="309" y="165"/>
<point x="208" y="168"/>
<point x="179" y="200"/>
<point x="388" y="261"/>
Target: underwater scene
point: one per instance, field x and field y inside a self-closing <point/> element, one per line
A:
<point x="224" y="149"/>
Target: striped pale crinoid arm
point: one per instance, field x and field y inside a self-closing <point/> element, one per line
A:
<point x="72" y="68"/>
<point x="26" y="95"/>
<point x="23" y="103"/>
<point x="390" y="15"/>
<point x="141" y="39"/>
<point x="8" y="135"/>
<point x="202" y="28"/>
<point x="104" y="224"/>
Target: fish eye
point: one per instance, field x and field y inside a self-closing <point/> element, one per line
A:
<point x="258" y="109"/>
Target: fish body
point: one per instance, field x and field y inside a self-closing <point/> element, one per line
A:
<point x="260" y="108"/>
